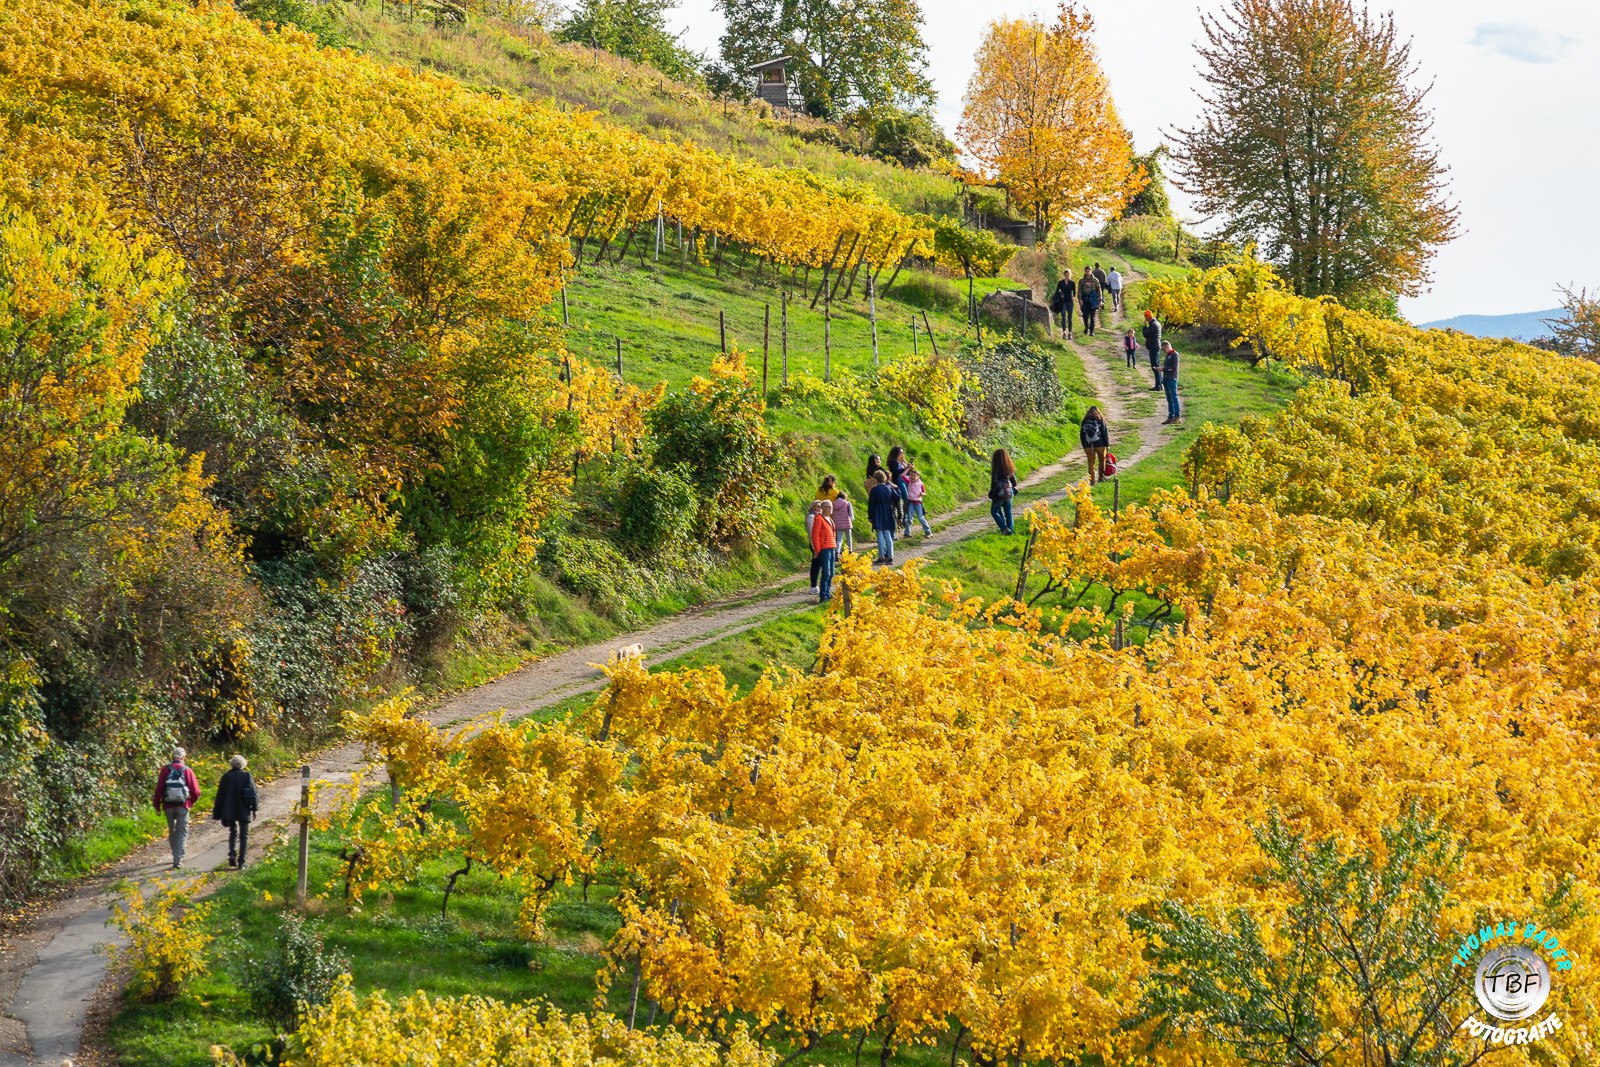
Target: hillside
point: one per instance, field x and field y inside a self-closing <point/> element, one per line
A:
<point x="526" y="62"/>
<point x="1522" y="326"/>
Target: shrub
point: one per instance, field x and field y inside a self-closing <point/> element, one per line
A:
<point x="166" y="945"/>
<point x="716" y="432"/>
<point x="300" y="973"/>
<point x="926" y="291"/>
<point x="1010" y="380"/>
<point x="655" y="510"/>
<point x="595" y="568"/>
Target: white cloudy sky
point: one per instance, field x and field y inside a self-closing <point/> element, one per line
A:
<point x="1516" y="90"/>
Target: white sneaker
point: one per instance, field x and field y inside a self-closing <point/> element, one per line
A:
<point x="813" y="589"/>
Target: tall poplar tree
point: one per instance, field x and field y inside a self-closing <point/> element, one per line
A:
<point x="1039" y="119"/>
<point x="1314" y="143"/>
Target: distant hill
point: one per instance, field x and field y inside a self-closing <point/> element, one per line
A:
<point x="1524" y="326"/>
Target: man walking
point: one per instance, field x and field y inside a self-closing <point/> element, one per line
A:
<point x="1114" y="287"/>
<point x="1061" y="301"/>
<point x="1169" y="382"/>
<point x="880" y="512"/>
<point x="1088" y="300"/>
<point x="234" y="807"/>
<point x="176" y="792"/>
<point x="1152" y="345"/>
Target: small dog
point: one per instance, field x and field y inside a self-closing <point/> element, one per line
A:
<point x="633" y="651"/>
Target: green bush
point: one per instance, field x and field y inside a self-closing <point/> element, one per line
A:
<point x="299" y="971"/>
<point x="927" y="291"/>
<point x="655" y="510"/>
<point x="1146" y="236"/>
<point x="1010" y="380"/>
<point x="715" y="431"/>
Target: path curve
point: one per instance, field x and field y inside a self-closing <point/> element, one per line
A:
<point x="49" y="974"/>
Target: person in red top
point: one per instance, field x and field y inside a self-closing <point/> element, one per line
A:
<point x="823" y="544"/>
<point x="176" y="792"/>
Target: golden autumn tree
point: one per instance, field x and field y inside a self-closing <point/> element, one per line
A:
<point x="1039" y="119"/>
<point x="1315" y="143"/>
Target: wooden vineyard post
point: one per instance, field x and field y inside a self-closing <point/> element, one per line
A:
<point x="766" y="342"/>
<point x="1116" y="497"/>
<point x="913" y="335"/>
<point x="928" y="329"/>
<point x="872" y="314"/>
<point x="565" y="321"/>
<point x="784" y="333"/>
<point x="722" y="330"/>
<point x="827" y="338"/>
<point x="619" y="360"/>
<point x="305" y="835"/>
<point x="618" y="393"/>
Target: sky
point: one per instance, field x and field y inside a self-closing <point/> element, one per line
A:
<point x="1516" y="102"/>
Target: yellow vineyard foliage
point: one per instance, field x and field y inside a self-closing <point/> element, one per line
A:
<point x="468" y="1031"/>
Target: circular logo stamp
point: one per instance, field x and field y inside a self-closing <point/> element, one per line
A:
<point x="1512" y="982"/>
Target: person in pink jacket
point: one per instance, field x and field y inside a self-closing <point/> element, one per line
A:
<point x="915" y="491"/>
<point x="844" y="516"/>
<point x="176" y="791"/>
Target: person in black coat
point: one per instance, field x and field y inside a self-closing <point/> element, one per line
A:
<point x="1061" y="302"/>
<point x="234" y="807"/>
<point x="881" y="505"/>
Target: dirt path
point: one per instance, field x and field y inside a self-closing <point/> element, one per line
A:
<point x="50" y="973"/>
<point x="1134" y="412"/>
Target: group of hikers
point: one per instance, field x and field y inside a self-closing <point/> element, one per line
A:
<point x="235" y="805"/>
<point x="1096" y="289"/>
<point x="895" y="494"/>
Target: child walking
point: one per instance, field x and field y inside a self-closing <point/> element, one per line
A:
<point x="914" y="507"/>
<point x="1130" y="348"/>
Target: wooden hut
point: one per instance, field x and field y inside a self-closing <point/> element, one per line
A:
<point x="773" y="81"/>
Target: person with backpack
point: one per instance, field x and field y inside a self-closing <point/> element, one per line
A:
<point x="823" y="544"/>
<point x="1114" y="287"/>
<point x="915" y="491"/>
<point x="176" y="792"/>
<point x="235" y="807"/>
<point x="1088" y="300"/>
<point x="1002" y="487"/>
<point x="1061" y="302"/>
<point x="1095" y="437"/>
<point x="881" y="504"/>
<point x="1103" y="278"/>
<point x="1169" y="382"/>
<point x="1152" y="345"/>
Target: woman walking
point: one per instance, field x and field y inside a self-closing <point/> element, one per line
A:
<point x="1061" y="302"/>
<point x="897" y="478"/>
<point x="1088" y="300"/>
<point x="823" y="544"/>
<point x="1095" y="437"/>
<point x="1002" y="487"/>
<point x="829" y="489"/>
<point x="234" y="807"/>
<point x="880" y="512"/>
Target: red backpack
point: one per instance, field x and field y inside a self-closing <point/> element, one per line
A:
<point x="1111" y="464"/>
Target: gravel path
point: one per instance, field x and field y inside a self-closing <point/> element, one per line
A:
<point x="49" y="973"/>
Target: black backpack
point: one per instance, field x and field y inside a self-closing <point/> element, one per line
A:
<point x="176" y="788"/>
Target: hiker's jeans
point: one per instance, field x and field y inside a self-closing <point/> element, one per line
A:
<point x="1174" y="411"/>
<point x="238" y="832"/>
<point x="915" y="510"/>
<point x="177" y="829"/>
<point x="825" y="584"/>
<point x="1000" y="512"/>
<point x="885" y="544"/>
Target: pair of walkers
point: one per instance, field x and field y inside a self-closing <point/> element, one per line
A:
<point x="908" y="486"/>
<point x="235" y="806"/>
